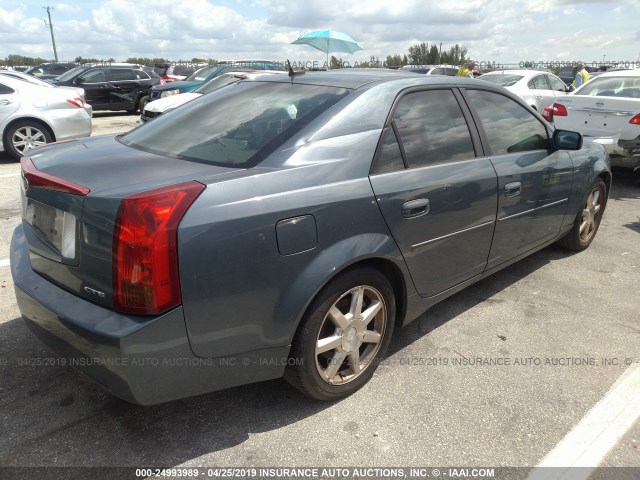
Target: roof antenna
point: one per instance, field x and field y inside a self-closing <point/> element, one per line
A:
<point x="292" y="72"/>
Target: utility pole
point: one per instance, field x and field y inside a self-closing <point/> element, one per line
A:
<point x="53" y="40"/>
<point x="440" y="54"/>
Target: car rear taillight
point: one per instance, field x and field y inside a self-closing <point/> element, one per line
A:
<point x="76" y="102"/>
<point x="559" y="110"/>
<point x="35" y="178"/>
<point x="145" y="251"/>
<point x="547" y="114"/>
<point x="635" y="120"/>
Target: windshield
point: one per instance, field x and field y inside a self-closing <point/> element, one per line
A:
<point x="69" y="74"/>
<point x="612" y="87"/>
<point x="502" y="79"/>
<point x="236" y="126"/>
<point x="28" y="79"/>
<point x="202" y="74"/>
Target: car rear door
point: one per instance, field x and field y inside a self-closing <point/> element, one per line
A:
<point x="534" y="182"/>
<point x="9" y="101"/>
<point x="123" y="89"/>
<point x="542" y="92"/>
<point x="436" y="194"/>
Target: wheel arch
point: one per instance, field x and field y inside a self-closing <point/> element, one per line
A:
<point x="31" y="118"/>
<point x="386" y="259"/>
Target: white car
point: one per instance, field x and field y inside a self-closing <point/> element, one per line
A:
<point x="607" y="110"/>
<point x="538" y="88"/>
<point x="156" y="108"/>
<point x="33" y="115"/>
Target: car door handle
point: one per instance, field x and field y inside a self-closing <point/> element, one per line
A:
<point x="5" y="102"/>
<point x="416" y="208"/>
<point x="512" y="189"/>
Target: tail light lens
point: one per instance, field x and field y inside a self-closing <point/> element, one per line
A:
<point x="635" y="120"/>
<point x="35" y="178"/>
<point x="547" y="114"/>
<point x="76" y="102"/>
<point x="559" y="110"/>
<point x="145" y="252"/>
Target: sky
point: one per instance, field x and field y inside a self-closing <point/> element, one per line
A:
<point x="502" y="31"/>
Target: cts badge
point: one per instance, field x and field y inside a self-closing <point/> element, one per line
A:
<point x="94" y="292"/>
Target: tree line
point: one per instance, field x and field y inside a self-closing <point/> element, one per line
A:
<point x="418" y="54"/>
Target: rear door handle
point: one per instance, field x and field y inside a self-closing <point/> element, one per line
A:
<point x="512" y="189"/>
<point x="5" y="102"/>
<point x="416" y="208"/>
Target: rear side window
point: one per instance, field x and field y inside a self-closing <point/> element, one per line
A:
<point x="119" y="74"/>
<point x="235" y="127"/>
<point x="4" y="90"/>
<point x="141" y="74"/>
<point x="432" y="128"/>
<point x="390" y="156"/>
<point x="509" y="126"/>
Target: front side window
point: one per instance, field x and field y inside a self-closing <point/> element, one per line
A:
<point x="235" y="127"/>
<point x="432" y="128"/>
<point x="93" y="76"/>
<point x="538" y="83"/>
<point x="556" y="84"/>
<point x="509" y="126"/>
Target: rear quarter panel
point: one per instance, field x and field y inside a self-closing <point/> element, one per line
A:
<point x="239" y="292"/>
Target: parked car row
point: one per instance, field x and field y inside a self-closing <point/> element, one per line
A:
<point x="286" y="224"/>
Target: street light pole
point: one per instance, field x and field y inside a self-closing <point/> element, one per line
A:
<point x="53" y="40"/>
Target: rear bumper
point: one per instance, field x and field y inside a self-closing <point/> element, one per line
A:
<point x="623" y="153"/>
<point x="141" y="360"/>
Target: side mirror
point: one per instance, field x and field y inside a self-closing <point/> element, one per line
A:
<point x="570" y="88"/>
<point x="79" y="81"/>
<point x="566" y="140"/>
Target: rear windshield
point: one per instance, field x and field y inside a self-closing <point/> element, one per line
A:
<point x="237" y="126"/>
<point x="202" y="74"/>
<point x="502" y="79"/>
<point x="612" y="87"/>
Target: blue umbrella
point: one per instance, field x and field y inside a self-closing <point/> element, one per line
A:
<point x="329" y="41"/>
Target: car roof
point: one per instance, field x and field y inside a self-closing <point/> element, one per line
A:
<point x="524" y="72"/>
<point x="359" y="77"/>
<point x="621" y="73"/>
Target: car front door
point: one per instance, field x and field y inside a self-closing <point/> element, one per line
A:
<point x="534" y="182"/>
<point x="437" y="196"/>
<point x="96" y="88"/>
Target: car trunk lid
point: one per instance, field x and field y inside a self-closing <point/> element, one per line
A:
<point x="71" y="195"/>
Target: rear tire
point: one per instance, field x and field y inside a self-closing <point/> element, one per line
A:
<point x="343" y="336"/>
<point x="24" y="135"/>
<point x="587" y="221"/>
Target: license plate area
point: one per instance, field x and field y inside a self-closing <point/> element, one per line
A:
<point x="53" y="231"/>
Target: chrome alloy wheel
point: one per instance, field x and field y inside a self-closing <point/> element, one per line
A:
<point x="350" y="335"/>
<point x="28" y="137"/>
<point x="591" y="213"/>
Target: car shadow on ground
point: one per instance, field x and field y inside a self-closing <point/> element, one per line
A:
<point x="60" y="418"/>
<point x="52" y="416"/>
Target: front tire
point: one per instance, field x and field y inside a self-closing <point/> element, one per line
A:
<point x="25" y="135"/>
<point x="343" y="336"/>
<point x="587" y="220"/>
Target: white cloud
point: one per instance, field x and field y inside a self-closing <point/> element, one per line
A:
<point x="498" y="30"/>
